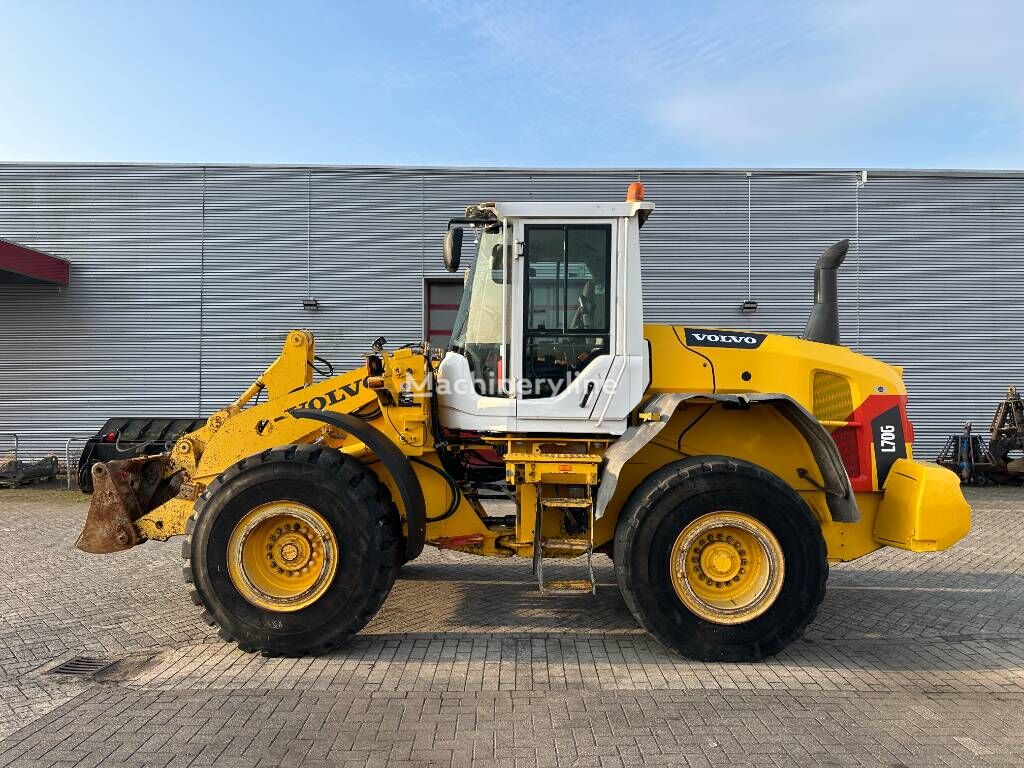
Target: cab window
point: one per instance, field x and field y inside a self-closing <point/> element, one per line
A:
<point x="568" y="268"/>
<point x="478" y="330"/>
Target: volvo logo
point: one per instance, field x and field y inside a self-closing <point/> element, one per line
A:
<point x="730" y="339"/>
<point x="699" y="337"/>
<point x="333" y="397"/>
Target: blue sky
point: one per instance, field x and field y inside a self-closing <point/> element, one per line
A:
<point x="619" y="84"/>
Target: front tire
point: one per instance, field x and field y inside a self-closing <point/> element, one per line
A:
<point x="720" y="560"/>
<point x="292" y="551"/>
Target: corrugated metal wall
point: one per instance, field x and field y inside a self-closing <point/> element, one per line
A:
<point x="185" y="278"/>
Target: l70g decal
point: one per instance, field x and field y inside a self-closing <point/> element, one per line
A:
<point x="890" y="444"/>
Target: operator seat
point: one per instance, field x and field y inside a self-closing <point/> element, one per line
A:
<point x="584" y="308"/>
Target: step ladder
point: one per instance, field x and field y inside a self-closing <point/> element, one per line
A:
<point x="583" y="545"/>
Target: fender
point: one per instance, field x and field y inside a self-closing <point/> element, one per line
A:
<point x="842" y="505"/>
<point x="396" y="463"/>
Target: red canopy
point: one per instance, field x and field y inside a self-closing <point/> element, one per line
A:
<point x="19" y="264"/>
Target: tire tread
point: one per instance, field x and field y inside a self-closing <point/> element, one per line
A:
<point x="350" y="471"/>
<point x="661" y="482"/>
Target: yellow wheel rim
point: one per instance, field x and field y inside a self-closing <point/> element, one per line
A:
<point x="282" y="556"/>
<point x="727" y="567"/>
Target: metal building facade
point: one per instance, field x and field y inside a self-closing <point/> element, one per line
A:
<point x="186" y="278"/>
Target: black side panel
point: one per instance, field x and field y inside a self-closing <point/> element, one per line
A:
<point x="890" y="443"/>
<point x="397" y="464"/>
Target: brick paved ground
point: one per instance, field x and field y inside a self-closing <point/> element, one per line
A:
<point x="914" y="660"/>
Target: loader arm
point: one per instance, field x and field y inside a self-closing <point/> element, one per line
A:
<point x="151" y="497"/>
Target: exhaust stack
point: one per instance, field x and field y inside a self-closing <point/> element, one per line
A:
<point x="823" y="322"/>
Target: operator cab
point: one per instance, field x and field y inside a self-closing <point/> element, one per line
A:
<point x="549" y="334"/>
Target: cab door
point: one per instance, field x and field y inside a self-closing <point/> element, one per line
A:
<point x="472" y="380"/>
<point x="563" y="341"/>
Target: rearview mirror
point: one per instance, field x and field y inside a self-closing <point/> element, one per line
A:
<point x="453" y="249"/>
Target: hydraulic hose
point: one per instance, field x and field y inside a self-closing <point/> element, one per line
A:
<point x="452" y="487"/>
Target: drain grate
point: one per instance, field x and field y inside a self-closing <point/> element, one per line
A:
<point x="81" y="666"/>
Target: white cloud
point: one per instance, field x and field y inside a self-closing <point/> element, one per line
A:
<point x="862" y="65"/>
<point x="770" y="79"/>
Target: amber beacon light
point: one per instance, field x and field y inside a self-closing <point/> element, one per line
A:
<point x="635" y="193"/>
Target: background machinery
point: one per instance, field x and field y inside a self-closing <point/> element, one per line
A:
<point x="721" y="470"/>
<point x="1001" y="460"/>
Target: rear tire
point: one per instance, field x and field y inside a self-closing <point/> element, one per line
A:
<point x="660" y="565"/>
<point x="359" y="530"/>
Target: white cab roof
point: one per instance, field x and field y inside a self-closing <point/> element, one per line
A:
<point x="537" y="210"/>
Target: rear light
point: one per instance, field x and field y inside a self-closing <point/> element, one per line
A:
<point x="110" y="437"/>
<point x="849" y="449"/>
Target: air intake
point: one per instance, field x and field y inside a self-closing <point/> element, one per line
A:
<point x="833" y="397"/>
<point x="823" y="323"/>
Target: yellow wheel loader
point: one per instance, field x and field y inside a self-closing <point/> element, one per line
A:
<point x="721" y="470"/>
